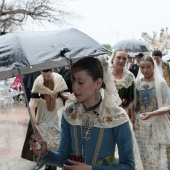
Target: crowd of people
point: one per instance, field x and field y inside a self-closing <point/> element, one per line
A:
<point x="122" y="108"/>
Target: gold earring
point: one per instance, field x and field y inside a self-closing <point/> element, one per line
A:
<point x="97" y="95"/>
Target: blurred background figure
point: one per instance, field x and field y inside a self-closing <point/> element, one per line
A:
<point x="16" y="88"/>
<point x="129" y="62"/>
<point x="16" y="85"/>
<point x="65" y="71"/>
<point x="28" y="80"/>
<point x="163" y="66"/>
<point x="135" y="66"/>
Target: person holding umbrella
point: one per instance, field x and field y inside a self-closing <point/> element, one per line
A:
<point x="93" y="124"/>
<point x="124" y="81"/>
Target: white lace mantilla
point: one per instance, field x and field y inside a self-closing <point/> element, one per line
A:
<point x="126" y="80"/>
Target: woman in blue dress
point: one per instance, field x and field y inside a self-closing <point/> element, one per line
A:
<point x="152" y="126"/>
<point x="93" y="124"/>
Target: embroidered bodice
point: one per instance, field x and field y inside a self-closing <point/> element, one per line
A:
<point x="146" y="96"/>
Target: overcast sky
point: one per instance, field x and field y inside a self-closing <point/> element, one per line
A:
<point x="109" y="21"/>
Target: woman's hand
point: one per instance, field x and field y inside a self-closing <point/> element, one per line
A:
<point x="38" y="138"/>
<point x="145" y="116"/>
<point x="77" y="166"/>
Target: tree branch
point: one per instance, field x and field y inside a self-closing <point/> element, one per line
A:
<point x="15" y="14"/>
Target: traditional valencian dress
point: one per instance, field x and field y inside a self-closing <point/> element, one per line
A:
<point x="153" y="135"/>
<point x="125" y="88"/>
<point x="44" y="97"/>
<point x="95" y="138"/>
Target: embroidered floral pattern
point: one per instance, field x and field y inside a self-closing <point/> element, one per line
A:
<point x="75" y="112"/>
<point x="73" y="116"/>
<point x="109" y="119"/>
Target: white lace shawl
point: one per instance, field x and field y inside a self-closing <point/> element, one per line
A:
<point x="127" y="79"/>
<point x="160" y="124"/>
<point x="38" y="87"/>
<point x="59" y="85"/>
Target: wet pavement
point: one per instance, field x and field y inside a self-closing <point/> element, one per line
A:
<point x="13" y="127"/>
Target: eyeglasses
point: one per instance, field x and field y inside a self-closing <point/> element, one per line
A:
<point x="121" y="58"/>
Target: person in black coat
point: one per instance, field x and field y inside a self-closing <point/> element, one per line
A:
<point x="66" y="74"/>
<point x="135" y="67"/>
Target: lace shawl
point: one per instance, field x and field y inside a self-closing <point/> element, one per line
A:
<point x="127" y="79"/>
<point x="59" y="85"/>
<point x="38" y="87"/>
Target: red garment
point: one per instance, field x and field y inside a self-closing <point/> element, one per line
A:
<point x="16" y="85"/>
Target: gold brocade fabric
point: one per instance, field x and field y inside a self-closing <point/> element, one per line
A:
<point x="50" y="100"/>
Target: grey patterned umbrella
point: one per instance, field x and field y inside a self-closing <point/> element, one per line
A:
<point x="132" y="45"/>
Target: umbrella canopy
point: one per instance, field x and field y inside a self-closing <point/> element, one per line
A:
<point x="132" y="45"/>
<point x="26" y="52"/>
<point x="166" y="55"/>
<point x="34" y="51"/>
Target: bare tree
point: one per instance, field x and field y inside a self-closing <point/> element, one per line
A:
<point x="14" y="12"/>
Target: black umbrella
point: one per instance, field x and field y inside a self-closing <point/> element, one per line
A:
<point x="34" y="51"/>
<point x="27" y="52"/>
<point x="132" y="45"/>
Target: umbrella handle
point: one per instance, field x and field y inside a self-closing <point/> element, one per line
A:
<point x="29" y="110"/>
<point x="39" y="159"/>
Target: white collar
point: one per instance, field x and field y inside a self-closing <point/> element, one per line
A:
<point x="75" y="113"/>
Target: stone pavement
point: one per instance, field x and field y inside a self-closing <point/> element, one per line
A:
<point x="13" y="127"/>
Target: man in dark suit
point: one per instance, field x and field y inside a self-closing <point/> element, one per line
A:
<point x="135" y="67"/>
